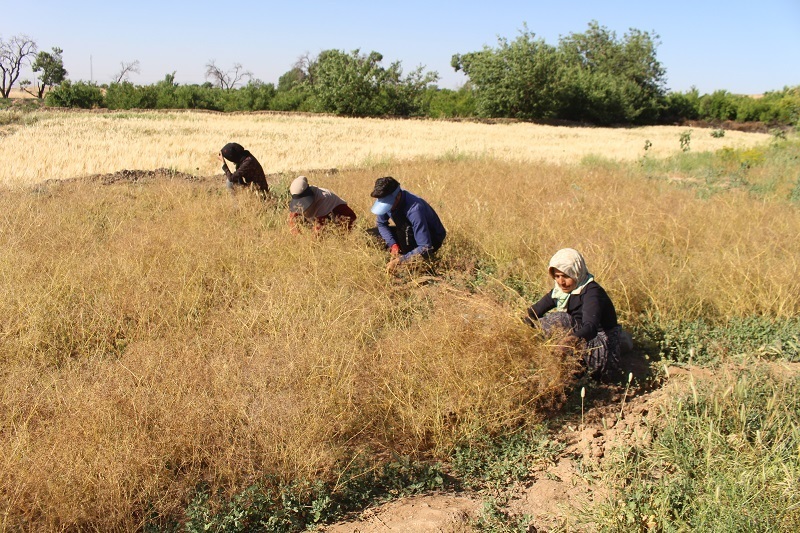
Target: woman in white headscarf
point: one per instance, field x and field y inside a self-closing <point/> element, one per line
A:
<point x="582" y="308"/>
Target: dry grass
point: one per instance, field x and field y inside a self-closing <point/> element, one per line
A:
<point x="57" y="145"/>
<point x="19" y="93"/>
<point x="159" y="335"/>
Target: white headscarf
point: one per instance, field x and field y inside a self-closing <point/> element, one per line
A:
<point x="571" y="263"/>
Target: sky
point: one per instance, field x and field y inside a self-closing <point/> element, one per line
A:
<point x="739" y="46"/>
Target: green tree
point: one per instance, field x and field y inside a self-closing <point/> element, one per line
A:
<point x="52" y="70"/>
<point x="591" y="76"/>
<point x="447" y="103"/>
<point x="78" y="94"/>
<point x="291" y="79"/>
<point x="346" y="84"/>
<point x="357" y="85"/>
<point x="520" y="78"/>
<point x="610" y="79"/>
<point x="719" y="105"/>
<point x="292" y="91"/>
<point x="680" y="106"/>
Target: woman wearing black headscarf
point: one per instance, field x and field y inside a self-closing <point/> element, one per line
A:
<point x="248" y="170"/>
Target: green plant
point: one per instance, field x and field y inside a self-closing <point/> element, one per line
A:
<point x="794" y="195"/>
<point x="488" y="462"/>
<point x="723" y="453"/>
<point x="685" y="140"/>
<point x="702" y="342"/>
<point x="78" y="94"/>
<point x="718" y="133"/>
<point x="495" y="518"/>
<point x="284" y="507"/>
<point x="778" y="134"/>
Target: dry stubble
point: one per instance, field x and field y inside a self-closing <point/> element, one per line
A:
<point x="66" y="144"/>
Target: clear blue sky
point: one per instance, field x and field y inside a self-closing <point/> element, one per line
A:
<point x="741" y="46"/>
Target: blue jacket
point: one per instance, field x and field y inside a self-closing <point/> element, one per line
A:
<point x="429" y="233"/>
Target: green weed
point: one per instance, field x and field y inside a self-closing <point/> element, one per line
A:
<point x="283" y="507"/>
<point x="723" y="454"/>
<point x="704" y="342"/>
<point x="495" y="518"/>
<point x="485" y="462"/>
<point x="765" y="172"/>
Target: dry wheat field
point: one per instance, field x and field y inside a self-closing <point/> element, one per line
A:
<point x="57" y="145"/>
<point x="160" y="338"/>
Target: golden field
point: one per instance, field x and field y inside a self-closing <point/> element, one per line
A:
<point x="162" y="337"/>
<point x="65" y="144"/>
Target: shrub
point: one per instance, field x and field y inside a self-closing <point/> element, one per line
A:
<point x="125" y="95"/>
<point x="79" y="94"/>
<point x="446" y="103"/>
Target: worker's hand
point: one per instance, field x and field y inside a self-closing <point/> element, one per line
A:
<point x="395" y="249"/>
<point x="392" y="265"/>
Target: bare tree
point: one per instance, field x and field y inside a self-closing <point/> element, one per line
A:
<point x="13" y="54"/>
<point x="126" y="69"/>
<point x="226" y="79"/>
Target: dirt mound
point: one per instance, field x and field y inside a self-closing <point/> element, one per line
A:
<point x="146" y="176"/>
<point x="135" y="176"/>
<point x="435" y="513"/>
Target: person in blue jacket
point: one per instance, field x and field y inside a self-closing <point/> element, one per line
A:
<point x="416" y="230"/>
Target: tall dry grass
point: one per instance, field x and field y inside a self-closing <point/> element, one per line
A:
<point x="65" y="144"/>
<point x="160" y="336"/>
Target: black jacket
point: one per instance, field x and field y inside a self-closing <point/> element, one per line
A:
<point x="248" y="172"/>
<point x="590" y="310"/>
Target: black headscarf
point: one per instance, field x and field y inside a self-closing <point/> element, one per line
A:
<point x="234" y="153"/>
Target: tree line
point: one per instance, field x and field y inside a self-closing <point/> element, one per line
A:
<point x="594" y="77"/>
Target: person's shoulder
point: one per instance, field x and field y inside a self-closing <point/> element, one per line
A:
<point x="415" y="202"/>
<point x="594" y="289"/>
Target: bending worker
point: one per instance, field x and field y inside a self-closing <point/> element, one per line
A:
<point x="417" y="230"/>
<point x="317" y="206"/>
<point x="248" y="171"/>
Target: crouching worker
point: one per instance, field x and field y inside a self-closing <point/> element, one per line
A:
<point x="417" y="231"/>
<point x="317" y="206"/>
<point x="248" y="171"/>
<point x="581" y="309"/>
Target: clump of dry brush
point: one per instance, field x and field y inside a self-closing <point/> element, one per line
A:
<point x="158" y="337"/>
